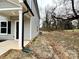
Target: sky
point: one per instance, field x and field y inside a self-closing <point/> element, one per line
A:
<point x="52" y="3"/>
<point x="42" y="4"/>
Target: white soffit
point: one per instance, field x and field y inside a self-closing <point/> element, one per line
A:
<point x="9" y="13"/>
<point x="7" y="4"/>
<point x="16" y="2"/>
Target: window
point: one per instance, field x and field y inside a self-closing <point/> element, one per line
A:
<point x="5" y="27"/>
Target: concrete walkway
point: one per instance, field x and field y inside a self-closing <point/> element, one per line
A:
<point x="10" y="44"/>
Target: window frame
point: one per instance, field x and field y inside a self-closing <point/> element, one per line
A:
<point x="4" y="27"/>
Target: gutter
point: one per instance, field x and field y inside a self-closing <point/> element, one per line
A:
<point x="25" y="2"/>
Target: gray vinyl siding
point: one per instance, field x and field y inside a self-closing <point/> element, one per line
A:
<point x="34" y="22"/>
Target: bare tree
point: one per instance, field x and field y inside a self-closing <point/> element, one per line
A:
<point x="62" y="15"/>
<point x="71" y="17"/>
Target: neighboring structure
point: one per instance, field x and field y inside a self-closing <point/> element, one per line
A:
<point x="19" y="19"/>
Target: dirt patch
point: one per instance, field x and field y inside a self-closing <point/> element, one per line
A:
<point x="49" y="45"/>
<point x="70" y="42"/>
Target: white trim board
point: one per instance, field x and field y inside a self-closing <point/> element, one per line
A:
<point x="6" y="9"/>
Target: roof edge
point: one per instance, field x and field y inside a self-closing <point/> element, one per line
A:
<point x="25" y="2"/>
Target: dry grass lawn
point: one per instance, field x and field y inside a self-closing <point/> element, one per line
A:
<point x="50" y="45"/>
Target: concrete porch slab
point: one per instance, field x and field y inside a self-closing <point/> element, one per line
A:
<point x="10" y="44"/>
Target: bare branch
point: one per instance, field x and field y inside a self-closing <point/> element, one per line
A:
<point x="73" y="8"/>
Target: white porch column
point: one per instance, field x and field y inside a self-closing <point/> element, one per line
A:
<point x="20" y="29"/>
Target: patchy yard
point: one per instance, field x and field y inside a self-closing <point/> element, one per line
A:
<point x="70" y="41"/>
<point x="50" y="45"/>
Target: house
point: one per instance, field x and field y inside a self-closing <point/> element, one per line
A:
<point x="19" y="20"/>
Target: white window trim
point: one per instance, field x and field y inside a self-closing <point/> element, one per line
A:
<point x="5" y="27"/>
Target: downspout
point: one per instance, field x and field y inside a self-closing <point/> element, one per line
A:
<point x="23" y="28"/>
<point x="23" y="48"/>
<point x="27" y="50"/>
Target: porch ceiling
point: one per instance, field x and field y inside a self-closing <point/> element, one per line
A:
<point x="16" y="2"/>
<point x="11" y="7"/>
<point x="6" y="4"/>
<point x="9" y="13"/>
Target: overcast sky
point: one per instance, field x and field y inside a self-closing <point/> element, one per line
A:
<point x="43" y="3"/>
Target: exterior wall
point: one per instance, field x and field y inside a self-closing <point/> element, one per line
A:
<point x="34" y="25"/>
<point x="13" y="30"/>
<point x="34" y="22"/>
<point x="7" y="36"/>
<point x="31" y="26"/>
<point x="27" y="29"/>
